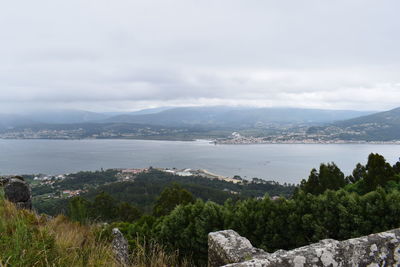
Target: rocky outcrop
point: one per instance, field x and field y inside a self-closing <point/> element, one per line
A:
<point x="382" y="249"/>
<point x="120" y="247"/>
<point x="228" y="247"/>
<point x="4" y="180"/>
<point x="17" y="191"/>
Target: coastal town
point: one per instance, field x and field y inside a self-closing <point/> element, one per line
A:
<point x="299" y="135"/>
<point x="293" y="138"/>
<point x="90" y="132"/>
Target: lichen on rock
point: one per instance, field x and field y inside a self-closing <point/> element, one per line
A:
<point x="227" y="248"/>
<point x="120" y="247"/>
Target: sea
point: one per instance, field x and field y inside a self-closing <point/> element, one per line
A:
<point x="279" y="162"/>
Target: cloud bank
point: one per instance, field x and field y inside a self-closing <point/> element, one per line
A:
<point x="127" y="55"/>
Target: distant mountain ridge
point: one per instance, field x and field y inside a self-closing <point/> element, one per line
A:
<point x="390" y="117"/>
<point x="242" y="117"/>
<point x="49" y="117"/>
<point x="381" y="126"/>
<point x="236" y="117"/>
<point x="12" y="120"/>
<point x="188" y="123"/>
<point x="64" y="117"/>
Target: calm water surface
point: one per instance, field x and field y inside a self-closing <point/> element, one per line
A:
<point x="280" y="162"/>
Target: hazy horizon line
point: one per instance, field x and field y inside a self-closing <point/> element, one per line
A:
<point x="163" y="108"/>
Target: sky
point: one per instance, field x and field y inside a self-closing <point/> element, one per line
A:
<point x="119" y="55"/>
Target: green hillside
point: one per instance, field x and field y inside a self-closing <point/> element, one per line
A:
<point x="382" y="126"/>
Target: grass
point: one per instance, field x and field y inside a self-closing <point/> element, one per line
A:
<point x="151" y="254"/>
<point x="28" y="239"/>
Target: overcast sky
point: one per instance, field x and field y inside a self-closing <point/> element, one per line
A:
<point x="127" y="55"/>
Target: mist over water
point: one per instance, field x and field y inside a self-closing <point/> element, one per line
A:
<point x="280" y="162"/>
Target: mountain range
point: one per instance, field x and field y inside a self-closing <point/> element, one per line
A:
<point x="186" y="116"/>
<point x="64" y="117"/>
<point x="216" y="121"/>
<point x="236" y="117"/>
<point x="382" y="126"/>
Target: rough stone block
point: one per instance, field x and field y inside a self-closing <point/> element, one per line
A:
<point x="228" y="247"/>
<point x="120" y="247"/>
<point x="382" y="249"/>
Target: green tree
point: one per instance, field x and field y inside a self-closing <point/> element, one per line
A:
<point x="127" y="212"/>
<point x="359" y="173"/>
<point x="396" y="167"/>
<point x="312" y="185"/>
<point x="331" y="177"/>
<point x="379" y="172"/>
<point x="78" y="209"/>
<point x="328" y="177"/>
<point x="104" y="208"/>
<point x="171" y="197"/>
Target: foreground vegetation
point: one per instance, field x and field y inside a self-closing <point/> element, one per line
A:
<point x="272" y="225"/>
<point x="28" y="239"/>
<point x="31" y="240"/>
<point x="177" y="221"/>
<point x="326" y="205"/>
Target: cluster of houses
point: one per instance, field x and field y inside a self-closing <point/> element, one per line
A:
<point x="183" y="172"/>
<point x="130" y="174"/>
<point x="72" y="193"/>
<point x="43" y="177"/>
<point x="202" y="173"/>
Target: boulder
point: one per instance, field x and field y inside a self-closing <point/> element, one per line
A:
<point x="18" y="192"/>
<point x="4" y="181"/>
<point x="381" y="249"/>
<point x="227" y="246"/>
<point x="120" y="247"/>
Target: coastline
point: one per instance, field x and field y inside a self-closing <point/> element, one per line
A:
<point x="341" y="142"/>
<point x="231" y="142"/>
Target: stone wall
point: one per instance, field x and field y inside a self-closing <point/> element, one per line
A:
<point x="227" y="248"/>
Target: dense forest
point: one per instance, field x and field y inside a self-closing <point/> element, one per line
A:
<point x="146" y="187"/>
<point x="326" y="205"/>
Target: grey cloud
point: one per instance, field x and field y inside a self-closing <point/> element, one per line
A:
<point x="125" y="55"/>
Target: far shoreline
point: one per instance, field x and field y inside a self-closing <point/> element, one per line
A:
<point x="216" y="142"/>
